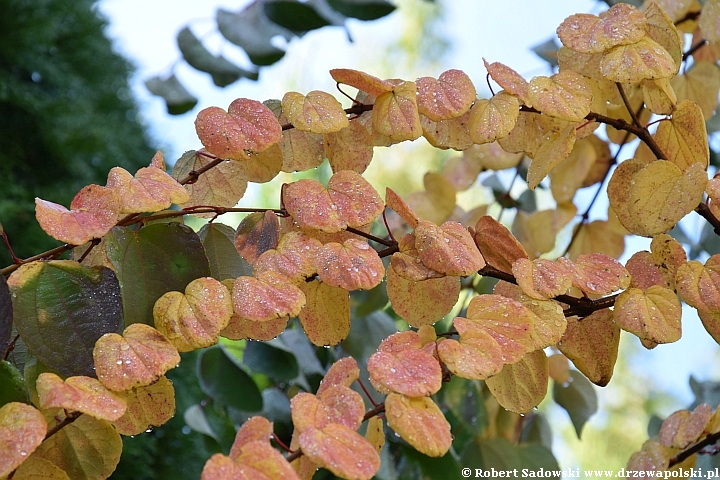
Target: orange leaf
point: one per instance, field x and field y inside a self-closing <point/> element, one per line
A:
<point x="361" y="80"/>
<point x="521" y="386"/>
<point x="476" y="356"/>
<point x="395" y="113"/>
<point x="598" y="274"/>
<point x="566" y="95"/>
<point x="352" y="265"/>
<point x="150" y="190"/>
<point x="293" y="258"/>
<point x="683" y="428"/>
<point x="448" y="248"/>
<point x="422" y="302"/>
<point x="498" y="246"/>
<point x="220" y="467"/>
<point x="136" y="359"/>
<point x="255" y="429"/>
<point x="341" y="450"/>
<point x="652" y="314"/>
<point x="509" y="79"/>
<point x="407" y="262"/>
<point x="22" y="430"/>
<point x="147" y="407"/>
<point x="395" y="202"/>
<point x="419" y="422"/>
<point x="592" y="345"/>
<point x="343" y="372"/>
<point x="194" y="320"/>
<point x="325" y="317"/>
<point x="267" y="297"/>
<point x="247" y="125"/>
<point x="93" y="212"/>
<point x="263" y="461"/>
<point x="82" y="394"/>
<point x="316" y="112"/>
<point x="622" y="24"/>
<point x="494" y="118"/>
<point x="241" y="328"/>
<point x="349" y="149"/>
<point x="257" y="233"/>
<point x="357" y="200"/>
<point x="223" y="186"/>
<point x="450" y="96"/>
<point x="343" y="405"/>
<point x="401" y="366"/>
<point x="541" y="278"/>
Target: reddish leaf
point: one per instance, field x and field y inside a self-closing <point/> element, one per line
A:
<point x="137" y="358"/>
<point x="476" y="356"/>
<point x="355" y="198"/>
<point x="419" y="422"/>
<point x="147" y="407"/>
<point x="150" y="190"/>
<point x="343" y="372"/>
<point x="592" y="345"/>
<point x="542" y="279"/>
<point x="256" y="234"/>
<point x="82" y="394"/>
<point x="448" y="248"/>
<point x="421" y="302"/>
<point x="241" y="328"/>
<point x="621" y="25"/>
<point x="683" y="428"/>
<point x="349" y="149"/>
<point x="22" y="430"/>
<point x="352" y="265"/>
<point x="450" y="96"/>
<point x="699" y="285"/>
<point x="325" y="317"/>
<point x="598" y="274"/>
<point x="361" y="80"/>
<point x="93" y="212"/>
<point x="255" y="429"/>
<point x="644" y="271"/>
<point x="263" y="461"/>
<point x="341" y="450"/>
<point x="247" y="125"/>
<point x="293" y="258"/>
<point x="498" y="246"/>
<point x="401" y="207"/>
<point x="509" y="79"/>
<point x="266" y="297"/>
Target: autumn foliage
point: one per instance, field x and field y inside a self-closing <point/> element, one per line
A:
<point x="106" y="326"/>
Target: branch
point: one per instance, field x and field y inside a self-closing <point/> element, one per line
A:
<point x="694" y="48"/>
<point x="705" y="442"/>
<point x="704" y="211"/>
<point x="625" y="100"/>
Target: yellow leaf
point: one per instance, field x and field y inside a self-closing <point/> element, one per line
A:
<point x="709" y="21"/>
<point x="437" y="202"/>
<point x="422" y="302"/>
<point x="521" y="386"/>
<point x="147" y="407"/>
<point x="451" y="133"/>
<point x="349" y="149"/>
<point x="494" y="118"/>
<point x="661" y="28"/>
<point x="592" y="345"/>
<point x="491" y="156"/>
<point x="450" y="96"/>
<point x="684" y="138"/>
<point x="661" y="194"/>
<point x="375" y="433"/>
<point x="447" y="248"/>
<point x="566" y="95"/>
<point x="325" y="317"/>
<point x="150" y="190"/>
<point x="223" y="185"/>
<point x="299" y="150"/>
<point x="36" y="467"/>
<point x="476" y="356"/>
<point x="622" y="24"/>
<point x="509" y="80"/>
<point x="699" y="84"/>
<point x="542" y="279"/>
<point x="555" y="149"/>
<point x="659" y="96"/>
<point x="699" y="285"/>
<point x="82" y="394"/>
<point x="639" y="61"/>
<point x="263" y="166"/>
<point x="570" y="174"/>
<point x="543" y="227"/>
<point x="395" y="113"/>
<point x="619" y="192"/>
<point x="597" y="236"/>
<point x="419" y="422"/>
<point x="316" y="112"/>
<point x="652" y="314"/>
<point x="22" y="430"/>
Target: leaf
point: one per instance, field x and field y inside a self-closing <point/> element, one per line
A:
<point x="422" y="302"/>
<point x="156" y="259"/>
<point x="267" y="297"/>
<point x="6" y="315"/>
<point x="150" y="190"/>
<point x="222" y="380"/>
<point x="88" y="448"/>
<point x="362" y="81"/>
<point x="521" y="386"/>
<point x="193" y="320"/>
<point x="177" y="99"/>
<point x="494" y="118"/>
<point x="22" y="430"/>
<point x="263" y="460"/>
<point x="326" y="314"/>
<point x="684" y="138"/>
<point x="699" y="285"/>
<point x="349" y="149"/>
<point x="661" y="194"/>
<point x="275" y="363"/>
<point x="476" y="356"/>
<point x="566" y="95"/>
<point x="294" y="15"/>
<point x="62" y="308"/>
<point x="36" y="467"/>
<point x="509" y="322"/>
<point x="578" y="398"/>
<point x="683" y="428"/>
<point x="498" y="246"/>
<point x="396" y="203"/>
<point x="619" y="191"/>
<point x="255" y="429"/>
<point x="450" y="96"/>
<point x="541" y="227"/>
<point x="294" y="258"/>
<point x="592" y="345"/>
<point x="419" y="422"/>
<point x="222" y="186"/>
<point x="573" y="172"/>
<point x="598" y="274"/>
<point x="363" y="9"/>
<point x="708" y="22"/>
<point x="93" y="212"/>
<point x="622" y="24"/>
<point x="147" y="407"/>
<point x="316" y="112"/>
<point x="644" y="60"/>
<point x="225" y="262"/>
<point x="14" y="388"/>
<point x="352" y="265"/>
<point x="136" y="359"/>
<point x="509" y="79"/>
<point x="556" y="147"/>
<point x="343" y="372"/>
<point x="437" y="202"/>
<point x="660" y="27"/>
<point x="340" y="450"/>
<point x="542" y="279"/>
<point x="452" y="133"/>
<point x="395" y="113"/>
<point x="256" y="234"/>
<point x="251" y="30"/>
<point x="81" y="394"/>
<point x="247" y="125"/>
<point x="547" y="51"/>
<point x="652" y="314"/>
<point x="448" y="249"/>
<point x="697" y="85"/>
<point x="659" y="96"/>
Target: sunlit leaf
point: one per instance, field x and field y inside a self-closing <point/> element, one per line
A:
<point x="136" y="359"/>
<point x="419" y="422"/>
<point x="325" y="317"/>
<point x="499" y="247"/>
<point x="316" y="112"/>
<point x="598" y="274"/>
<point x="352" y="265"/>
<point x="554" y="150"/>
<point x="494" y="118"/>
<point x="683" y="428"/>
<point x="644" y="60"/>
<point x="541" y="278"/>
<point x="566" y="95"/>
<point x="263" y="166"/>
<point x="698" y="84"/>
<point x="37" y="467"/>
<point x="684" y="138"/>
<point x="447" y="248"/>
<point x="450" y="96"/>
<point x="293" y="258"/>
<point x="619" y="192"/>
<point x="658" y="95"/>
<point x="521" y="386"/>
<point x="22" y="430"/>
<point x="150" y="190"/>
<point x="82" y="394"/>
<point x="362" y="81"/>
<point x="422" y="302"/>
<point x="395" y="113"/>
<point x="510" y="80"/>
<point x="451" y="133"/>
<point x="623" y="24"/>
<point x="266" y="297"/>
<point x="93" y="212"/>
<point x="709" y="23"/>
<point x="542" y="227"/>
<point x="341" y="450"/>
<point x="571" y="174"/>
<point x="349" y="149"/>
<point x="476" y="356"/>
<point x="699" y="285"/>
<point x="222" y="186"/>
<point x="147" y="407"/>
<point x="652" y="314"/>
<point x="395" y="202"/>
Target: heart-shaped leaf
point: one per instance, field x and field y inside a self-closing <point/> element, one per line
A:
<point x="521" y="386"/>
<point x="622" y="24"/>
<point x="256" y="234"/>
<point x="395" y="113"/>
<point x="652" y="314"/>
<point x="450" y="96"/>
<point x="448" y="248"/>
<point x="566" y="95"/>
<point x="341" y="450"/>
<point x="82" y="394"/>
<point x="22" y="430"/>
<point x="422" y="302"/>
<point x="541" y="278"/>
<point x="222" y="186"/>
<point x="419" y="422"/>
<point x="476" y="356"/>
<point x="326" y="314"/>
<point x="494" y="118"/>
<point x="592" y="345"/>
<point x="509" y="80"/>
<point x="316" y="112"/>
<point x="147" y="407"/>
<point x="150" y="190"/>
<point x="266" y="297"/>
<point x="352" y="265"/>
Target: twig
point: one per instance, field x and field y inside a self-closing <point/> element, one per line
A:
<point x="680" y="457"/>
<point x="628" y="107"/>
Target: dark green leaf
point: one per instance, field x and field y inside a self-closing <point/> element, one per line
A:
<point x="177" y="99"/>
<point x="536" y="429"/>
<point x="62" y="308"/>
<point x="225" y="262"/>
<point x="195" y="418"/>
<point x="500" y="454"/>
<point x="547" y="51"/>
<point x="578" y="397"/>
<point x="367" y="333"/>
<point x="463" y="399"/>
<point x="197" y="56"/>
<point x="295" y="341"/>
<point x="12" y="384"/>
<point x="365" y="302"/>
<point x="526" y="201"/>
<point x="295" y="16"/>
<point x="363" y="9"/>
<point x="225" y="382"/>
<point x="220" y="424"/>
<point x="6" y="316"/>
<point x="435" y="468"/>
<point x="277" y="364"/>
<point x="155" y="260"/>
<point x="251" y="30"/>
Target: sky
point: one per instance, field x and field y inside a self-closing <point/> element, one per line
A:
<point x="144" y="32"/>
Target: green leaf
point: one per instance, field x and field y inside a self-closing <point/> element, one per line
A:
<point x="157" y="259"/>
<point x="578" y="397"/>
<point x="463" y="398"/>
<point x="197" y="56"/>
<point x="277" y="364"/>
<point x="295" y="341"/>
<point x="225" y="262"/>
<point x="12" y="384"/>
<point x="547" y="51"/>
<point x="62" y="308"/>
<point x="251" y="30"/>
<point x="363" y="9"/>
<point x="536" y="429"/>
<point x="295" y="16"/>
<point x="500" y="454"/>
<point x="367" y="333"/>
<point x="221" y="379"/>
<point x="435" y="468"/>
<point x="6" y="316"/>
<point x="177" y="99"/>
<point x="364" y="302"/>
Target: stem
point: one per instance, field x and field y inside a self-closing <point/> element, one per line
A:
<point x="680" y="457"/>
<point x="625" y="100"/>
<point x="381" y="241"/>
<point x="15" y="258"/>
<point x="694" y="48"/>
<point x="705" y="212"/>
<point x="70" y="418"/>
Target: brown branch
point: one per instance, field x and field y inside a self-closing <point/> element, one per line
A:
<point x="694" y="48"/>
<point x="625" y="100"/>
<point x="705" y="212"/>
<point x="70" y="418"/>
<point x="705" y="442"/>
<point x="381" y="241"/>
